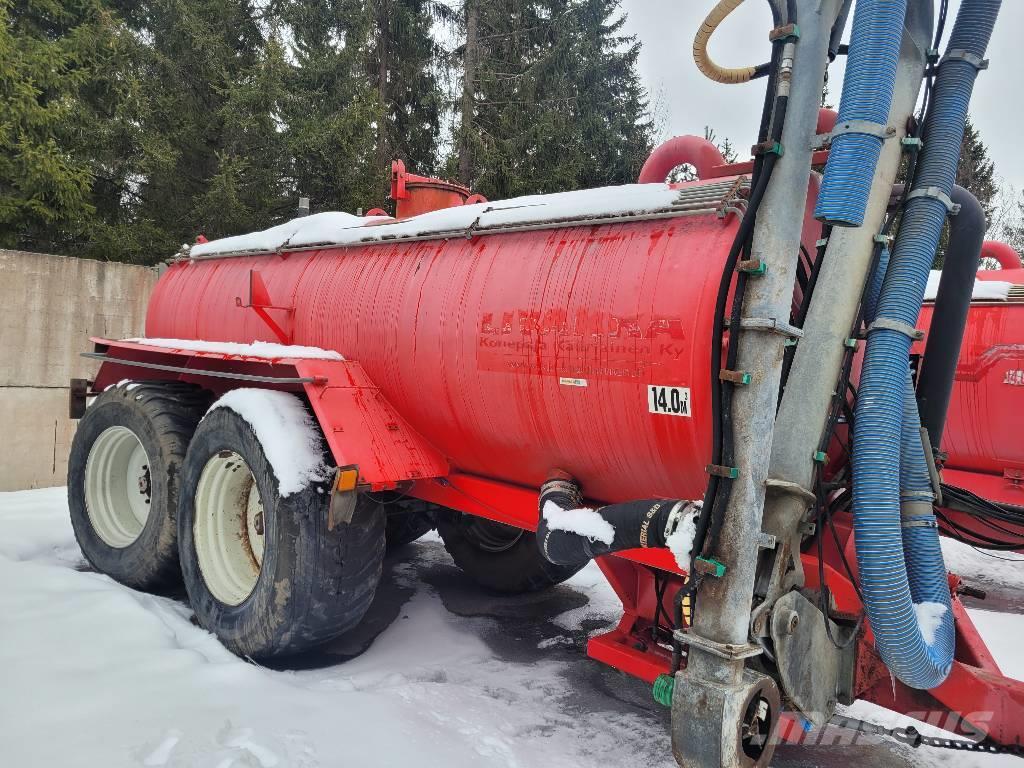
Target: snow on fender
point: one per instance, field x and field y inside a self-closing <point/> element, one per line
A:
<point x="286" y="430"/>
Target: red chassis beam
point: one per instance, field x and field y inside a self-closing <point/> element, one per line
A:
<point x="980" y="700"/>
<point x="976" y="699"/>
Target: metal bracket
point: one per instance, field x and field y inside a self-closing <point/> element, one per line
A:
<point x="754" y="267"/>
<point x="787" y="32"/>
<point x="896" y="325"/>
<point x="771" y="325"/>
<point x="717" y="470"/>
<point x="971" y="58"/>
<point x="794" y="489"/>
<point x="78" y="392"/>
<point x="807" y="660"/>
<point x="721" y="650"/>
<point x="938" y="194"/>
<point x="341" y="508"/>
<point x="862" y="127"/>
<point x="739" y="378"/>
<point x="933" y="470"/>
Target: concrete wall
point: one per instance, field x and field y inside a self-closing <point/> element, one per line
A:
<point x="50" y="307"/>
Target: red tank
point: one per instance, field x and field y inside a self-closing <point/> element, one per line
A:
<point x="986" y="418"/>
<point x="581" y="345"/>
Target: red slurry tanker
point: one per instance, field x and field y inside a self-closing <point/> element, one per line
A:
<point x="676" y="380"/>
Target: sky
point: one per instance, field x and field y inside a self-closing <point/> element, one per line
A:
<point x="684" y="101"/>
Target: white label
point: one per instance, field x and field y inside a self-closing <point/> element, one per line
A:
<point x="671" y="401"/>
<point x="1014" y="378"/>
<point x="572" y="382"/>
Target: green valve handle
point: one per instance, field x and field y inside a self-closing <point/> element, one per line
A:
<point x="664" y="687"/>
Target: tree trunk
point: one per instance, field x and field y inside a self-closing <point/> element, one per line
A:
<point x="384" y="54"/>
<point x="469" y="62"/>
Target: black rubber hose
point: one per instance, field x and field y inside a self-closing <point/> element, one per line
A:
<point x="636" y="524"/>
<point x="949" y="319"/>
<point x="711" y="519"/>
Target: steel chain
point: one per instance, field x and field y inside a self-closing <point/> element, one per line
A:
<point x="914" y="738"/>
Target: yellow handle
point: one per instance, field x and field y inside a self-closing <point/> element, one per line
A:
<point x="728" y="75"/>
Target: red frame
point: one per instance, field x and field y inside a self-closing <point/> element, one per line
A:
<point x="341" y="393"/>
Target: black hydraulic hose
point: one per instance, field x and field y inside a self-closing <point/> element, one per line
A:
<point x="773" y="114"/>
<point x="719" y="489"/>
<point x="713" y="517"/>
<point x="949" y="319"/>
<point x="636" y="524"/>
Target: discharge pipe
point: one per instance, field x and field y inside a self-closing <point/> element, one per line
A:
<point x="1001" y="252"/>
<point x="681" y="150"/>
<point x="903" y="577"/>
<point x="570" y="534"/>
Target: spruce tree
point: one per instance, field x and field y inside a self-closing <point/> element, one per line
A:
<point x="210" y="156"/>
<point x="402" y="63"/>
<point x="59" y="87"/>
<point x="556" y="99"/>
<point x="363" y="91"/>
<point x="976" y="172"/>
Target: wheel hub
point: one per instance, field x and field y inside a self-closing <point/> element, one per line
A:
<point x="118" y="487"/>
<point x="145" y="483"/>
<point x="229" y="530"/>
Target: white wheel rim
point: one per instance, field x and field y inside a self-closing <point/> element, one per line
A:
<point x="118" y="487"/>
<point x="228" y="530"/>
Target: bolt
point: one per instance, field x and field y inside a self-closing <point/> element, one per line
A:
<point x="792" y="622"/>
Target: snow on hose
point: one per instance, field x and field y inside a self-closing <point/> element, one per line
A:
<point x="867" y="97"/>
<point x="903" y="577"/>
<point x="570" y="534"/>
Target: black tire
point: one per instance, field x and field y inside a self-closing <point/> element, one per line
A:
<point x="313" y="585"/>
<point x="498" y="557"/>
<point x="163" y="417"/>
<point x="408" y="520"/>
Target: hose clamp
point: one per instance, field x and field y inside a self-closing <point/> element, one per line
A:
<point x="916" y="503"/>
<point x="973" y="59"/>
<point x="674" y="516"/>
<point x="896" y="325"/>
<point x="721" y="650"/>
<point x="916" y="510"/>
<point x="862" y="127"/>
<point x="937" y="194"/>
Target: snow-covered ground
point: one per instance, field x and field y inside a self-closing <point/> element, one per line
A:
<point x="94" y="674"/>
